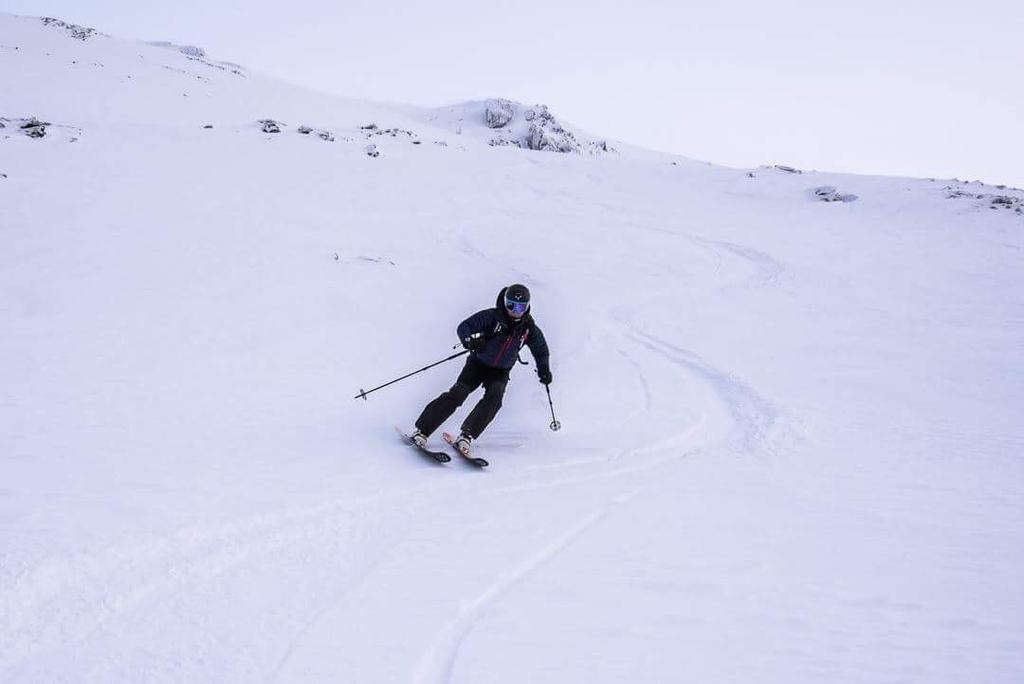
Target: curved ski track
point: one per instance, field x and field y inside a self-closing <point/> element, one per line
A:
<point x="82" y="595"/>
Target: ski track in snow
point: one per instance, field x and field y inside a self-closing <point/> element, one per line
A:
<point x="438" y="662"/>
<point x="72" y="590"/>
<point x="769" y="270"/>
<point x="755" y="415"/>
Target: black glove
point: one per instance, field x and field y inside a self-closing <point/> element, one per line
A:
<point x="474" y="342"/>
<point x="544" y="374"/>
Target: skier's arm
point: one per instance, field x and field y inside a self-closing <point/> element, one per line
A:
<point x="539" y="348"/>
<point x="480" y="322"/>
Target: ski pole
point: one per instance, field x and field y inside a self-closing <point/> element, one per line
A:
<point x="362" y="393"/>
<point x="555" y="425"/>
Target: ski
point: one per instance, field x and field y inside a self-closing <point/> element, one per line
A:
<point x="438" y="456"/>
<point x="475" y="460"/>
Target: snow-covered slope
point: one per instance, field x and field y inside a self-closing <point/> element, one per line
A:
<point x="791" y="444"/>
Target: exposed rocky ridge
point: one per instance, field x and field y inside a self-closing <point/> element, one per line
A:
<point x="74" y="30"/>
<point x="198" y="54"/>
<point x="535" y="128"/>
<point x="1009" y="202"/>
<point x="501" y="122"/>
<point x="190" y="50"/>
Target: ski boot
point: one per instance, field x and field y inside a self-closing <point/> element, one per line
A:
<point x="419" y="439"/>
<point x="462" y="443"/>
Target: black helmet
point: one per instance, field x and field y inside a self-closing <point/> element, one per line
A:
<point x="517" y="300"/>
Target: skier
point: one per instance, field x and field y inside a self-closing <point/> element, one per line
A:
<point x="494" y="338"/>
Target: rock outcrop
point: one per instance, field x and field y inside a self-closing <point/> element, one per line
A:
<point x="77" y="32"/>
<point x="535" y="128"/>
<point x="499" y="112"/>
<point x="32" y="127"/>
<point x="828" y="193"/>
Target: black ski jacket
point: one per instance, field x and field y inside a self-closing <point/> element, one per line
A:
<point x="505" y="336"/>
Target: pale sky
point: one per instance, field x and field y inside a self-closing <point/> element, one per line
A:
<point x="929" y="89"/>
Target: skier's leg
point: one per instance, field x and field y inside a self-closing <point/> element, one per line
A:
<point x="439" y="410"/>
<point x="485" y="410"/>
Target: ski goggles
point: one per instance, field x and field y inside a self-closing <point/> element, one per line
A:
<point x="516" y="309"/>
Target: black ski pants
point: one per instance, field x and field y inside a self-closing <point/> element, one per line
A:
<point x="472" y="376"/>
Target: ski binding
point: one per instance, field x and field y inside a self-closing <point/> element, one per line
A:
<point x="439" y="456"/>
<point x="475" y="460"/>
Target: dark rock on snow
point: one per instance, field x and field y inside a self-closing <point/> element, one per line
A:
<point x="323" y="135"/>
<point x="992" y="201"/>
<point x="74" y="30"/>
<point x="32" y="127"/>
<point x="827" y="193"/>
<point x="498" y="113"/>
